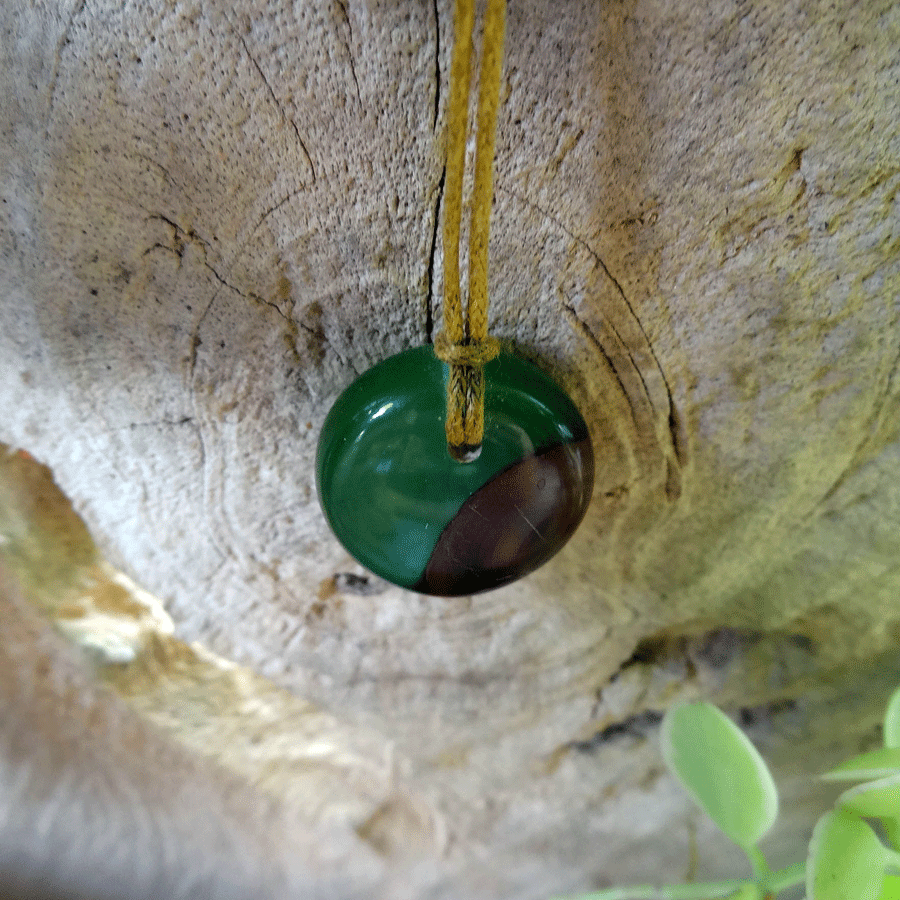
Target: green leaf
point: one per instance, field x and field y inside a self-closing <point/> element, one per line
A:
<point x="846" y="860"/>
<point x="892" y="721"/>
<point x="867" y="766"/>
<point x="892" y="832"/>
<point x="874" y="799"/>
<point x="890" y="890"/>
<point x="721" y="770"/>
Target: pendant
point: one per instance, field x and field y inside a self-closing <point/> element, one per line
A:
<point x="413" y="515"/>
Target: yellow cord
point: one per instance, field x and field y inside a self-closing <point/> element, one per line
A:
<point x="488" y="101"/>
<point x="464" y="343"/>
<point x="457" y="116"/>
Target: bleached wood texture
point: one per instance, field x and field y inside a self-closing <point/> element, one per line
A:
<point x="216" y="215"/>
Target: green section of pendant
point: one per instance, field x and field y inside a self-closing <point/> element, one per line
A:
<point x="386" y="482"/>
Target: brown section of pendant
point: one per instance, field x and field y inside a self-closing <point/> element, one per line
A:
<point x="513" y="524"/>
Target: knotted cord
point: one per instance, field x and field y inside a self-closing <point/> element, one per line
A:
<point x="464" y="343"/>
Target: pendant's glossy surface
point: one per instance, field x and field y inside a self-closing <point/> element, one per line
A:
<point x="407" y="511"/>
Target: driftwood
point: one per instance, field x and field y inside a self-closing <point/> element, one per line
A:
<point x="216" y="215"/>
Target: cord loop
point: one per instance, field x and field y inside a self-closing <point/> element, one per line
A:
<point x="464" y="343"/>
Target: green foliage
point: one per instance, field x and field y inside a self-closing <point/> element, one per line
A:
<point x="892" y="721"/>
<point x="728" y="779"/>
<point x="874" y="764"/>
<point x="846" y="860"/>
<point x="721" y="770"/>
<point x="873" y="799"/>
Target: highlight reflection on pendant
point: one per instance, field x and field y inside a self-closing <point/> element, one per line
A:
<point x="408" y="512"/>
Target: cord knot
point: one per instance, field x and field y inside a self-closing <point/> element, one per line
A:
<point x="475" y="354"/>
<point x="465" y="393"/>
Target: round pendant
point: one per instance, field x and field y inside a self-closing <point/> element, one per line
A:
<point x="409" y="512"/>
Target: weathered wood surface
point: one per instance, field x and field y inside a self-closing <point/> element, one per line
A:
<point x="216" y="215"/>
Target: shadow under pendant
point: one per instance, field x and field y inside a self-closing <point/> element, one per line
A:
<point x="410" y="513"/>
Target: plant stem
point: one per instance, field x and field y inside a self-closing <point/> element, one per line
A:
<point x="758" y="863"/>
<point x="699" y="891"/>
<point x="773" y="883"/>
<point x="785" y="878"/>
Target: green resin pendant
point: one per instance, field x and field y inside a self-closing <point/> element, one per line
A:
<point x="410" y="513"/>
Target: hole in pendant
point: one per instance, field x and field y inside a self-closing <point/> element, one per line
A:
<point x="465" y="453"/>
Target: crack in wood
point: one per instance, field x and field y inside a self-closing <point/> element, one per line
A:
<point x="626" y="353"/>
<point x="180" y="238"/>
<point x="582" y="326"/>
<point x="429" y="298"/>
<point x="595" y="256"/>
<point x="346" y="15"/>
<point x="639" y="725"/>
<point x="179" y="235"/>
<point x="270" y="210"/>
<point x="672" y="424"/>
<point x="673" y="457"/>
<point x="157" y="423"/>
<point x="437" y="65"/>
<point x="278" y="104"/>
<point x="257" y="299"/>
<point x="152" y="162"/>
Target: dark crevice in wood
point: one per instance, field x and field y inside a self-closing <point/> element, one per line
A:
<point x="636" y="726"/>
<point x="347" y="46"/>
<point x="589" y="334"/>
<point x="429" y="298"/>
<point x="437" y="65"/>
